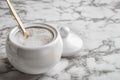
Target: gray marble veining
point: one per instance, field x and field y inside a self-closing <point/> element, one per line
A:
<point x="97" y="22"/>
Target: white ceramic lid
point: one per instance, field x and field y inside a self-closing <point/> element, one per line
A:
<point x="72" y="43"/>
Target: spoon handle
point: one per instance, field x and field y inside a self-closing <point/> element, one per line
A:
<point x="17" y="19"/>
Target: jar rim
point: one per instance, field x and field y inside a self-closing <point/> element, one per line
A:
<point x="48" y="27"/>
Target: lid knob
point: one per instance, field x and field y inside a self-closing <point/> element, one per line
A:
<point x="64" y="31"/>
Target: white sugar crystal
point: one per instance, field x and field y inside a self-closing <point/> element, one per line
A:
<point x="36" y="37"/>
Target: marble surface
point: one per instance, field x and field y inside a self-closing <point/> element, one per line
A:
<point x="97" y="22"/>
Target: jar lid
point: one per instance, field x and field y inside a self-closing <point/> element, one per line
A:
<point x="72" y="43"/>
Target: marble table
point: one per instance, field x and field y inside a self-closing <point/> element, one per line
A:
<point x="97" y="22"/>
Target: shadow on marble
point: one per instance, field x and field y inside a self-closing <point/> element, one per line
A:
<point x="8" y="72"/>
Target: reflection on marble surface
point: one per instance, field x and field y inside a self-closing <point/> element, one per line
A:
<point x="97" y="22"/>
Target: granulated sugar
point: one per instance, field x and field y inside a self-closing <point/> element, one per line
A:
<point x="36" y="37"/>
